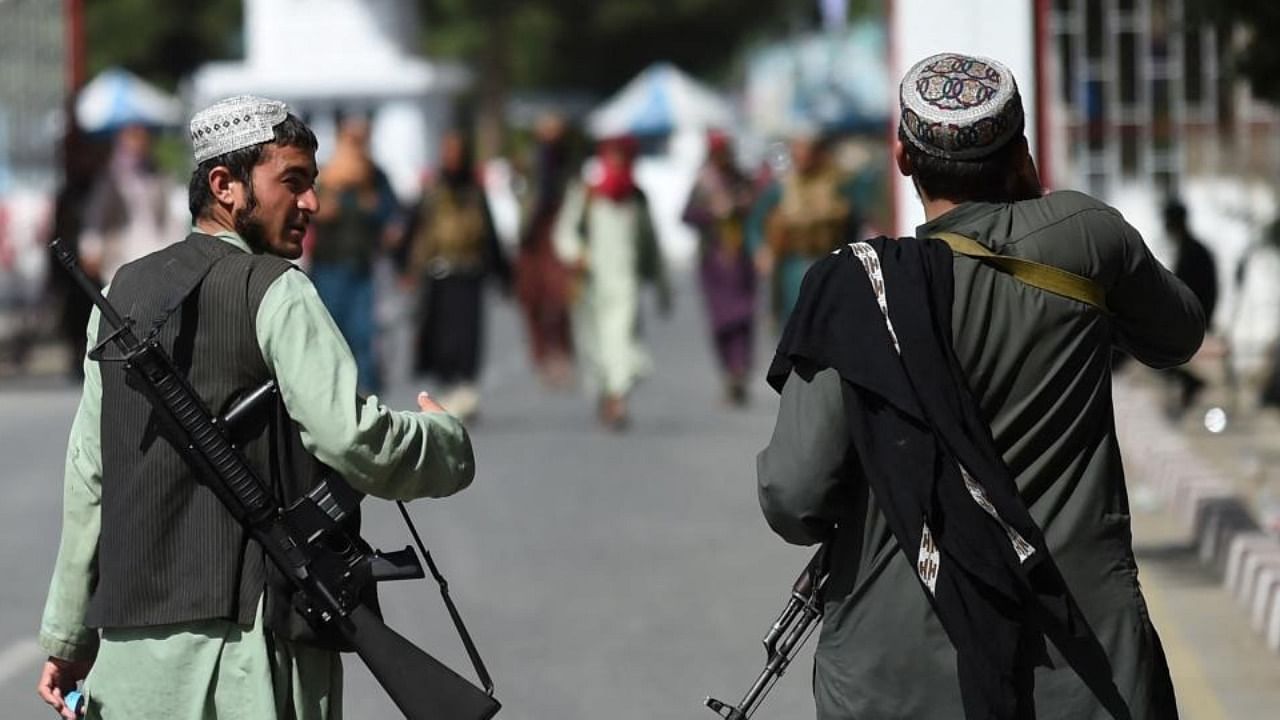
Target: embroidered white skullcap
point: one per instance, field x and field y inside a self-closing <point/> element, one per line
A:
<point x="235" y="123"/>
<point x="960" y="107"/>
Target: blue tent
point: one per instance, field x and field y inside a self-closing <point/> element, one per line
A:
<point x="117" y="97"/>
<point x="658" y="101"/>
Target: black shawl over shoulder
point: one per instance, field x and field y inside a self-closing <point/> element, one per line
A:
<point x="914" y="422"/>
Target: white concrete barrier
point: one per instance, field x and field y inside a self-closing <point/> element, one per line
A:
<point x="1265" y="591"/>
<point x="1251" y="569"/>
<point x="1242" y="546"/>
<point x="1188" y="495"/>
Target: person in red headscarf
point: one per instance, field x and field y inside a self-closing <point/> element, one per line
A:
<point x="605" y="235"/>
<point x="718" y="209"/>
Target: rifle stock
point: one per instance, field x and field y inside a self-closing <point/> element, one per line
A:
<point x="421" y="686"/>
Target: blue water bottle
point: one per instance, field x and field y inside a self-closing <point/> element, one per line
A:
<point x="75" y="701"/>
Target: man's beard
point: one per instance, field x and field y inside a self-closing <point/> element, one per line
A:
<point x="249" y="228"/>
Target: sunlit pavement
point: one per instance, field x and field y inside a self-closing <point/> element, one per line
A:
<point x="611" y="575"/>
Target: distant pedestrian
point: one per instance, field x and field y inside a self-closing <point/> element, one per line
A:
<point x="605" y="235"/>
<point x="542" y="281"/>
<point x="718" y="208"/>
<point x="452" y="249"/>
<point x="946" y="427"/>
<point x="799" y="218"/>
<point x="358" y="210"/>
<point x="1195" y="266"/>
<point x="81" y="163"/>
<point x="128" y="213"/>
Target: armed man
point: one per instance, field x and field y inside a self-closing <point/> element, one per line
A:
<point x="160" y="601"/>
<point x="946" y="428"/>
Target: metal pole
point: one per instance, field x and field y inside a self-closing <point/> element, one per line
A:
<point x="74" y="10"/>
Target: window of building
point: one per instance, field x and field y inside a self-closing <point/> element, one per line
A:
<point x="1066" y="68"/>
<point x="1159" y="29"/>
<point x="1192" y="70"/>
<point x="1095" y="113"/>
<point x="1128" y="68"/>
<point x="1130" y="149"/>
<point x="1095" y="29"/>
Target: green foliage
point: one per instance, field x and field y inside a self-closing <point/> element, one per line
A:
<point x="162" y="42"/>
<point x="600" y="44"/>
<point x="1257" y="59"/>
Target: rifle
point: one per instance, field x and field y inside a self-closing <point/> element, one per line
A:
<point x="307" y="541"/>
<point x="784" y="639"/>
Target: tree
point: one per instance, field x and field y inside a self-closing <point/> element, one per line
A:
<point x="1257" y="56"/>
<point x="163" y="42"/>
<point x="595" y="45"/>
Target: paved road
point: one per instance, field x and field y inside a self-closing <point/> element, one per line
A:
<point x="602" y="575"/>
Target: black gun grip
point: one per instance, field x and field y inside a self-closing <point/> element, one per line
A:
<point x="397" y="565"/>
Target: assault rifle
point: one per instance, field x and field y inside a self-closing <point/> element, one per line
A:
<point x="787" y="635"/>
<point x="307" y="541"/>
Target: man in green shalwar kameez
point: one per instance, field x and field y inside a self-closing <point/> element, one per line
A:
<point x="151" y="634"/>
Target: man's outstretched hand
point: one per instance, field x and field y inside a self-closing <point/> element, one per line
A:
<point x="58" y="678"/>
<point x="427" y="405"/>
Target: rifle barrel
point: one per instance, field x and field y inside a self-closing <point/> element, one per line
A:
<point x="68" y="261"/>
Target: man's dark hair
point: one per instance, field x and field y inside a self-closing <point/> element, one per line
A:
<point x="291" y="132"/>
<point x="986" y="180"/>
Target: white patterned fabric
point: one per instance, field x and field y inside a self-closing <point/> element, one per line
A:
<point x="235" y="123"/>
<point x="929" y="559"/>
<point x="871" y="262"/>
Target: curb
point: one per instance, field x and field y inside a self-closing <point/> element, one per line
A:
<point x="1205" y="501"/>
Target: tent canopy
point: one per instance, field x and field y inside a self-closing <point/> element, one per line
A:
<point x="660" y="100"/>
<point x="117" y="97"/>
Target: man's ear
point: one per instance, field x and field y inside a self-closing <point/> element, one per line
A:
<point x="221" y="185"/>
<point x="902" y="159"/>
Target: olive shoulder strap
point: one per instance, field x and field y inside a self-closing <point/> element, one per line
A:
<point x="1038" y="275"/>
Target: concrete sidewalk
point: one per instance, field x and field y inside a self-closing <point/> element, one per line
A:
<point x="1178" y="470"/>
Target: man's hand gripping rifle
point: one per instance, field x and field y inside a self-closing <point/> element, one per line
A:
<point x="307" y="541"/>
<point x="784" y="639"/>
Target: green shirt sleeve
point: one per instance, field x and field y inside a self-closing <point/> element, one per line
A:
<point x="391" y="454"/>
<point x="1156" y="317"/>
<point x="62" y="630"/>
<point x="800" y="472"/>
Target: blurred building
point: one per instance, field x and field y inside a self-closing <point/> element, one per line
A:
<point x="1144" y="108"/>
<point x="1142" y="97"/>
<point x="33" y="88"/>
<point x="326" y="57"/>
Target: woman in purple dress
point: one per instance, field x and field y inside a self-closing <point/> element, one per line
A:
<point x="718" y="208"/>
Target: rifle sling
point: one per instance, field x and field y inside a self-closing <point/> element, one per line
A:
<point x="1029" y="272"/>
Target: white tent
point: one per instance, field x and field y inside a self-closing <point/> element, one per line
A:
<point x="322" y="56"/>
<point x="117" y="97"/>
<point x="658" y="101"/>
